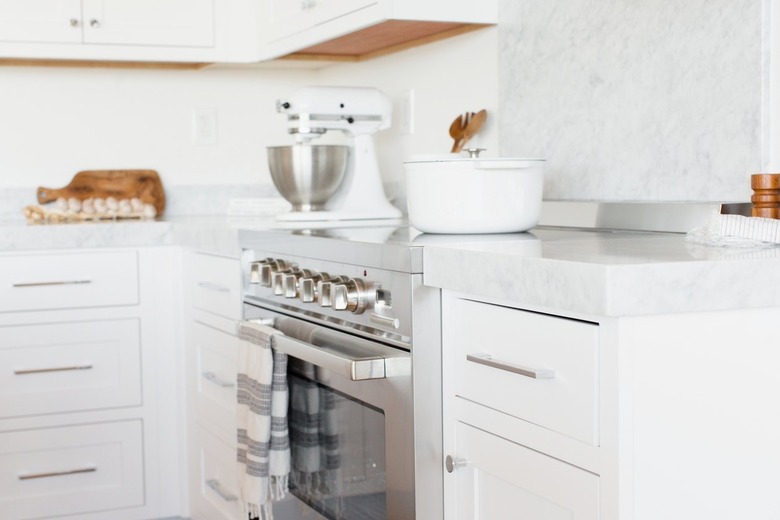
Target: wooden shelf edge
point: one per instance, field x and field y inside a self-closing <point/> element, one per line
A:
<point x="463" y="29"/>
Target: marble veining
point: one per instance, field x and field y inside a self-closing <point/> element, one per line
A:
<point x="636" y="100"/>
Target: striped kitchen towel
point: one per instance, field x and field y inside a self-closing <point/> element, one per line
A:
<point x="263" y="445"/>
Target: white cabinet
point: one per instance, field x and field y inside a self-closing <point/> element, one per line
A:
<point x="498" y="480"/>
<point x="115" y="22"/>
<point x="187" y="23"/>
<point x="89" y="385"/>
<point x="511" y="379"/>
<point x="640" y="417"/>
<point x="55" y="21"/>
<point x="174" y="31"/>
<point x="213" y="290"/>
<point x="352" y="29"/>
<point x="70" y="470"/>
<point x="287" y="18"/>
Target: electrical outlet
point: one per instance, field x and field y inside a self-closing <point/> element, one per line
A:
<point x="405" y="112"/>
<point x="204" y="126"/>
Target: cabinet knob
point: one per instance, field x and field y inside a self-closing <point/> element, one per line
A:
<point x="74" y="22"/>
<point x="451" y="463"/>
<point x="308" y="4"/>
<point x="94" y="23"/>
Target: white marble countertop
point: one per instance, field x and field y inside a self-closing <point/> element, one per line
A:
<point x="605" y="273"/>
<point x="587" y="272"/>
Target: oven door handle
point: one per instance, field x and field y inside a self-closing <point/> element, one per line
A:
<point x="366" y="368"/>
<point x="360" y="369"/>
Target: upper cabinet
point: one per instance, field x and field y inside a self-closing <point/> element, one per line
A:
<point x="360" y="29"/>
<point x="114" y="22"/>
<point x="187" y="23"/>
<point x="227" y="31"/>
<point x="53" y="21"/>
<point x="122" y="30"/>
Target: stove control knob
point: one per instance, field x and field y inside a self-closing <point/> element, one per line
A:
<point x="255" y="270"/>
<point x="268" y="267"/>
<point x="323" y="293"/>
<point x="308" y="286"/>
<point x="349" y="296"/>
<point x="324" y="290"/>
<point x="291" y="282"/>
<point x="277" y="280"/>
<point x="289" y="285"/>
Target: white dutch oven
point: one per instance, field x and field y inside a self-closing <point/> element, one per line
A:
<point x="454" y="194"/>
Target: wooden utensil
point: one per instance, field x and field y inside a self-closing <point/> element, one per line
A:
<point x="120" y="184"/>
<point x="458" y="127"/>
<point x="474" y="125"/>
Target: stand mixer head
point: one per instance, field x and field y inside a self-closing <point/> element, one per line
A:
<point x="359" y="113"/>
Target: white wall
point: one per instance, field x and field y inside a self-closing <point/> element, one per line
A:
<point x="55" y="122"/>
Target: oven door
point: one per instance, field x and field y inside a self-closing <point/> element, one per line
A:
<point x="350" y="422"/>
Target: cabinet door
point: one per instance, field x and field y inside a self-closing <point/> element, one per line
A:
<point x="56" y="21"/>
<point x="187" y="23"/>
<point x="288" y="17"/>
<point x="500" y="480"/>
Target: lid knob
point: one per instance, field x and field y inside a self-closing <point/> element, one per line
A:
<point x="474" y="152"/>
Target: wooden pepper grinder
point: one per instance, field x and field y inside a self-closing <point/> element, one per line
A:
<point x="766" y="195"/>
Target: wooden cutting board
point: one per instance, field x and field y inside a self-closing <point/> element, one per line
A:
<point x="120" y="184"/>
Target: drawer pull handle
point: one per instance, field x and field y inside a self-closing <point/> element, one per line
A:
<point x="214" y="485"/>
<point x="91" y="469"/>
<point x="213" y="287"/>
<point x="44" y="284"/>
<point x="25" y="371"/>
<point x="535" y="373"/>
<point x="212" y="377"/>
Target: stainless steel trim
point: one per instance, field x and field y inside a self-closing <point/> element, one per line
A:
<point x="209" y="286"/>
<point x="90" y="469"/>
<point x="43" y="284"/>
<point x="212" y="378"/>
<point x="534" y="373"/>
<point x="22" y="372"/>
<point x="214" y="485"/>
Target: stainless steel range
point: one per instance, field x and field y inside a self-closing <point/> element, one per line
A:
<point x="363" y="336"/>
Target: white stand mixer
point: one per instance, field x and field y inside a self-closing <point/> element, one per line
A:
<point x="359" y="113"/>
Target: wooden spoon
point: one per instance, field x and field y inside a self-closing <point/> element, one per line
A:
<point x="458" y="127"/>
<point x="474" y="125"/>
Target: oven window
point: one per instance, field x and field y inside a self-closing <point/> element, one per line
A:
<point x="337" y="444"/>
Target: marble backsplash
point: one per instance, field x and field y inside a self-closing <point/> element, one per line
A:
<point x="636" y="100"/>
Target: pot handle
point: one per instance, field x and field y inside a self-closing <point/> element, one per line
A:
<point x="501" y="165"/>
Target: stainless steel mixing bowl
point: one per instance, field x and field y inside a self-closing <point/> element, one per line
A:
<point x="307" y="175"/>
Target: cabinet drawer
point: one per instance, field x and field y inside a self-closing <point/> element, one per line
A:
<point x="217" y="285"/>
<point x="68" y="280"/>
<point x="67" y="367"/>
<point x="216" y="363"/>
<point x="70" y="470"/>
<point x="497" y="349"/>
<point x="215" y="488"/>
<point x="500" y="476"/>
